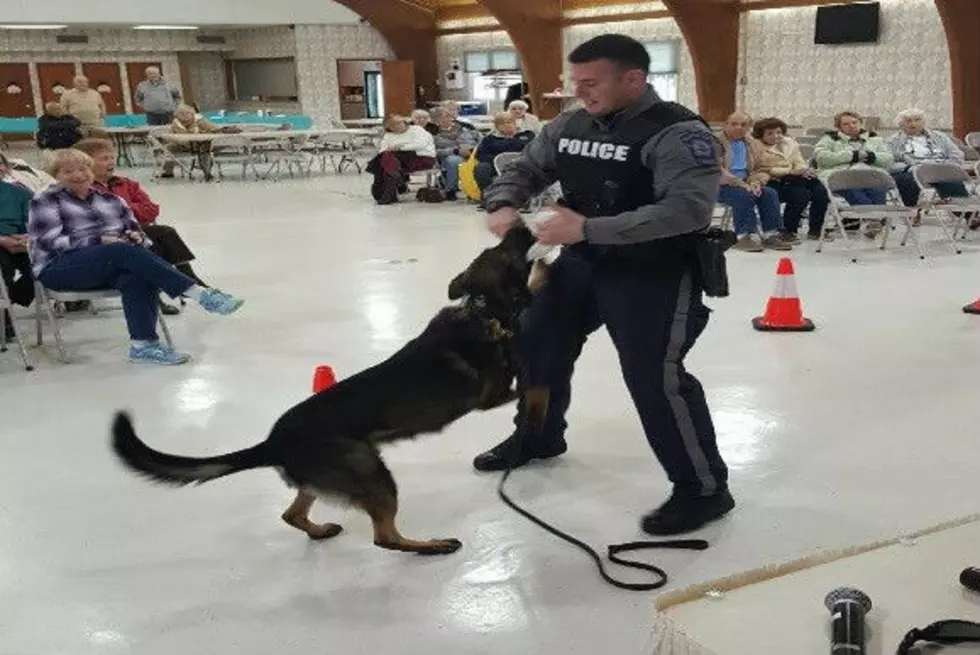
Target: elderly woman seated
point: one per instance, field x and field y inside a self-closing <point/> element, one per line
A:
<point x="423" y="119"/>
<point x="851" y="146"/>
<point x="454" y="145"/>
<point x="15" y="265"/>
<point x="166" y="242"/>
<point x="914" y="144"/>
<point x="56" y="129"/>
<point x="83" y="238"/>
<point x="404" y="148"/>
<point x="504" y="138"/>
<point x="18" y="171"/>
<point x="525" y="121"/>
<point x="791" y="176"/>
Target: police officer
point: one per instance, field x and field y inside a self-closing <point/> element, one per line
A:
<point x="639" y="177"/>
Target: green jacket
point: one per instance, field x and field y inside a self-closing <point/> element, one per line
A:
<point x="14" y="203"/>
<point x="836" y="151"/>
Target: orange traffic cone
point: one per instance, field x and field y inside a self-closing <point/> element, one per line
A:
<point x="972" y="308"/>
<point x="784" y="312"/>
<point x="323" y="378"/>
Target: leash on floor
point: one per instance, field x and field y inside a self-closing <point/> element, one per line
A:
<point x="613" y="550"/>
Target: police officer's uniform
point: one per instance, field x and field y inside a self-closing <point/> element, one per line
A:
<point x="646" y="179"/>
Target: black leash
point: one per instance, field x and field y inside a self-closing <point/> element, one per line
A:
<point x="612" y="551"/>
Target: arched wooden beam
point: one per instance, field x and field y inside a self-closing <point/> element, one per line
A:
<point x="411" y="33"/>
<point x="710" y="28"/>
<point x="961" y="18"/>
<point x="535" y="28"/>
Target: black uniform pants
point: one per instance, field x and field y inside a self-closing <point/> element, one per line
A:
<point x="654" y="318"/>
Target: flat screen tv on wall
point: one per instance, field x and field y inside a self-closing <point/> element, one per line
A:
<point x="858" y="22"/>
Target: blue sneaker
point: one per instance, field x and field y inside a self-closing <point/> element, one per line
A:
<point x="219" y="302"/>
<point x="157" y="353"/>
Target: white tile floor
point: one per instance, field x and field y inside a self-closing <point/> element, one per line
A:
<point x="860" y="430"/>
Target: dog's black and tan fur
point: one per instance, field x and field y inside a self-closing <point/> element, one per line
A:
<point x="327" y="445"/>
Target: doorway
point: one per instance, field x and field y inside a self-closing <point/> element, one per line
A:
<point x="361" y="89"/>
<point x="106" y="78"/>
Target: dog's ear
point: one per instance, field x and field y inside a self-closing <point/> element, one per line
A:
<point x="457" y="288"/>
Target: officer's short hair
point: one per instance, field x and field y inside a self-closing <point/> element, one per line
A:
<point x="625" y="51"/>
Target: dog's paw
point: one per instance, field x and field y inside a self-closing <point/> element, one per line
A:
<point x="442" y="547"/>
<point x="324" y="531"/>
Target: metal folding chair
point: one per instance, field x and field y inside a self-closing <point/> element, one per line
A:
<point x="6" y="306"/>
<point x="45" y="298"/>
<point x="867" y="178"/>
<point x="962" y="209"/>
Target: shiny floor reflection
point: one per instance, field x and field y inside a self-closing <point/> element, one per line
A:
<point x="857" y="431"/>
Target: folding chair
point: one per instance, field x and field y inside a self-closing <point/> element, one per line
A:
<point x="6" y="306"/>
<point x="963" y="209"/>
<point x="45" y="298"/>
<point x="867" y="178"/>
<point x="505" y="159"/>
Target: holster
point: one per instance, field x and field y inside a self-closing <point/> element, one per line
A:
<point x="710" y="248"/>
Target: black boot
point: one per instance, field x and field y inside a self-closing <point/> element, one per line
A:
<point x="683" y="513"/>
<point x="509" y="451"/>
<point x="168" y="310"/>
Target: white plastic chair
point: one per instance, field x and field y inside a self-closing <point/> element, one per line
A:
<point x="44" y="303"/>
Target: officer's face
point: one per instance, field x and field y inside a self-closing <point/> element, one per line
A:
<point x="605" y="87"/>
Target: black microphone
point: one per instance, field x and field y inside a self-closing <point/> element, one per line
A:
<point x="970" y="578"/>
<point x="847" y="608"/>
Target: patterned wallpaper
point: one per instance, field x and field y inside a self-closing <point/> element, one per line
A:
<point x="318" y="47"/>
<point x="206" y="73"/>
<point x="785" y="73"/>
<point x="263" y="42"/>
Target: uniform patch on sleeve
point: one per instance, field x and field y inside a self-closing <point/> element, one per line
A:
<point x="701" y="144"/>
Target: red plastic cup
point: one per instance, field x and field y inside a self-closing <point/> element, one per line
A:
<point x="323" y="378"/>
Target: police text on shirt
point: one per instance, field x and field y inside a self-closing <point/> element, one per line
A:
<point x="593" y="149"/>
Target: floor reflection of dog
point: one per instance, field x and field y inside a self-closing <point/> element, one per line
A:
<point x="327" y="445"/>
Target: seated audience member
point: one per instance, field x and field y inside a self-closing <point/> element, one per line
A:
<point x="453" y="108"/>
<point x="849" y="146"/>
<point x="187" y="121"/>
<point x="789" y="174"/>
<point x="525" y="121"/>
<point x="454" y="144"/>
<point x="914" y="144"/>
<point x="404" y="148"/>
<point x="165" y="239"/>
<point x="423" y="119"/>
<point x="504" y="138"/>
<point x="14" y="204"/>
<point x="56" y="129"/>
<point x="83" y="238"/>
<point x="743" y="188"/>
<point x="20" y="172"/>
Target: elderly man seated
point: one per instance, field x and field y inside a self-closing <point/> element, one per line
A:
<point x="743" y="188"/>
<point x="454" y="144"/>
<point x="914" y="144"/>
<point x="56" y="129"/>
<point x="187" y="121"/>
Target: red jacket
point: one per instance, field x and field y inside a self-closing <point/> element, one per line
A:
<point x="144" y="209"/>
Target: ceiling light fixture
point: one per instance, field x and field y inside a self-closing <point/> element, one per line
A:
<point x="164" y="27"/>
<point x="32" y="27"/>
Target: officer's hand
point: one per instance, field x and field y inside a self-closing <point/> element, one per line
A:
<point x="502" y="220"/>
<point x="564" y="227"/>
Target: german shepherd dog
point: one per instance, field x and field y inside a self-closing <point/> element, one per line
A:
<point x="327" y="445"/>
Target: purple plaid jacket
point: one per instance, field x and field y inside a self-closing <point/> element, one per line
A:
<point x="60" y="222"/>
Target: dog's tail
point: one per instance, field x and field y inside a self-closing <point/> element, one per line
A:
<point x="176" y="470"/>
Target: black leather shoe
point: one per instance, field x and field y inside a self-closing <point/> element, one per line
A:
<point x="505" y="453"/>
<point x="682" y="514"/>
